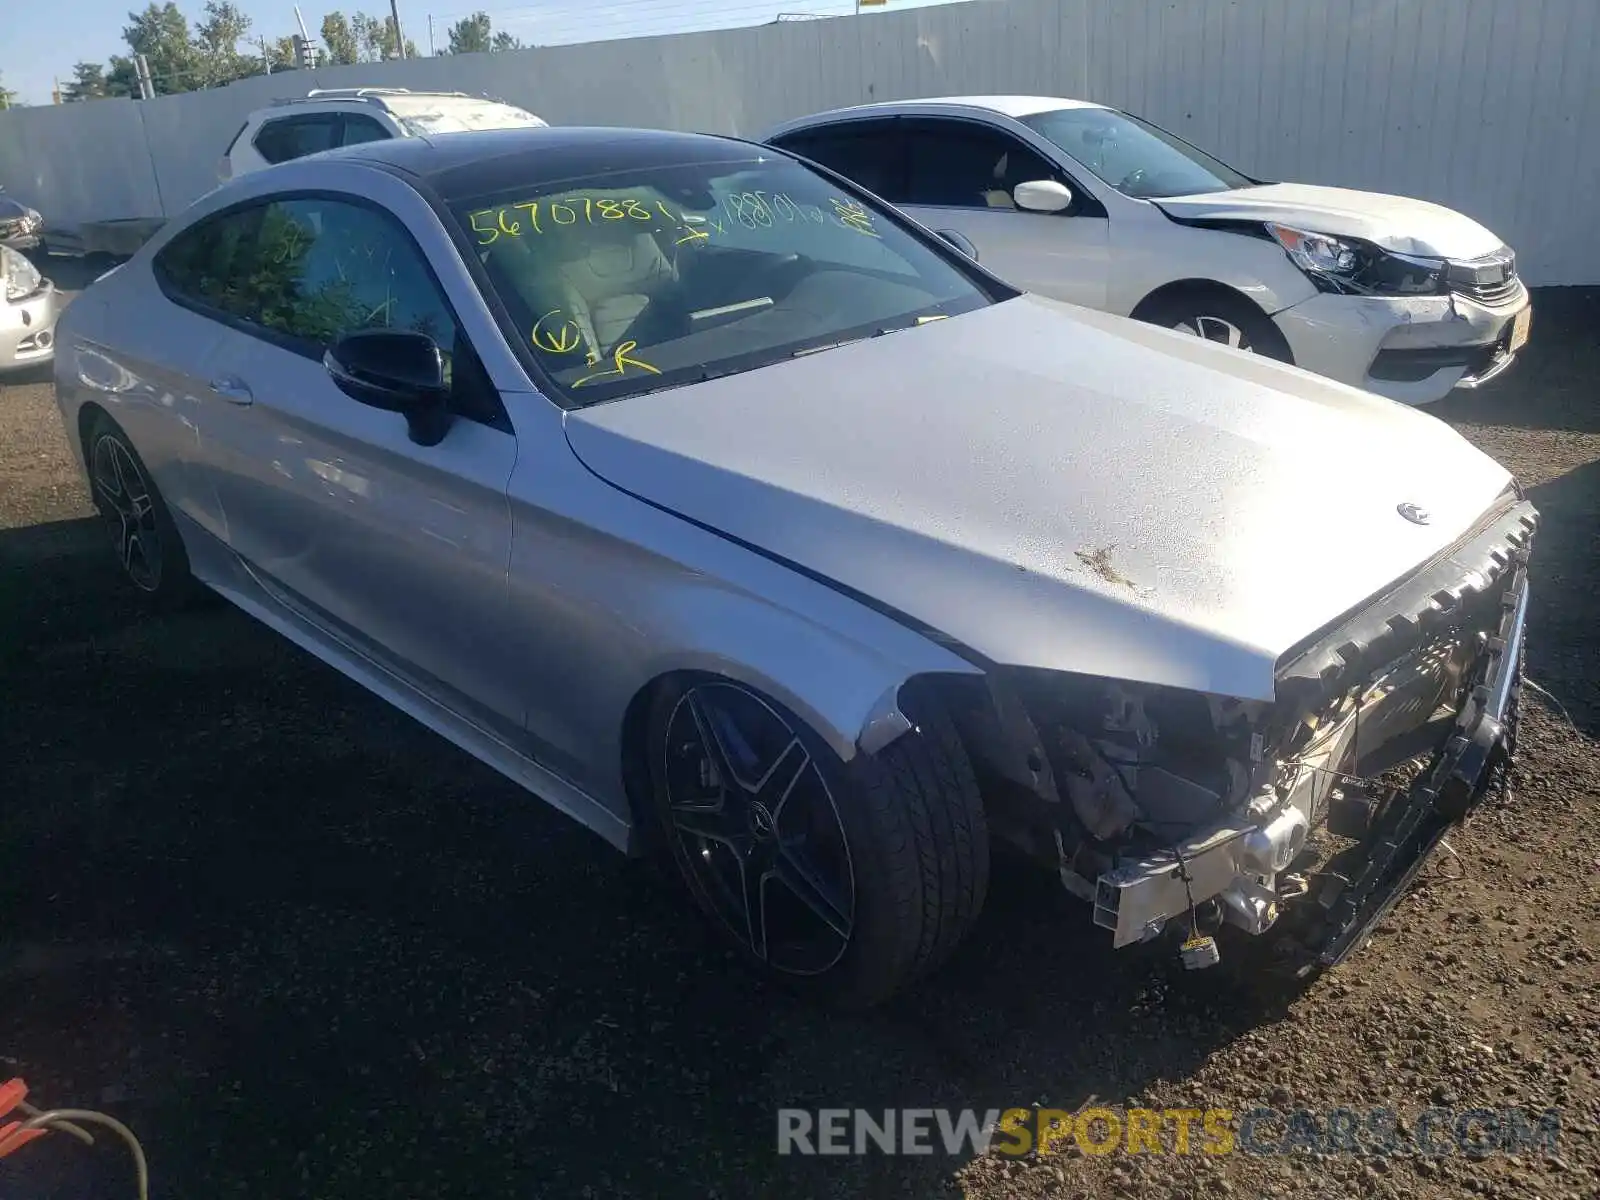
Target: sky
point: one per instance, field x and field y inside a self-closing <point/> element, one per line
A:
<point x="43" y="40"/>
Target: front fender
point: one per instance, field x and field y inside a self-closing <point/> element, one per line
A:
<point x="1154" y="251"/>
<point x="846" y="691"/>
<point x="611" y="594"/>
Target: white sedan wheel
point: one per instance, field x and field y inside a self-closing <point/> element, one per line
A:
<point x="1215" y="329"/>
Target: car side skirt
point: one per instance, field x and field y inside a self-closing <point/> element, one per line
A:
<point x="221" y="570"/>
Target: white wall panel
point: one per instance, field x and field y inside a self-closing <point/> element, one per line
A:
<point x="1488" y="106"/>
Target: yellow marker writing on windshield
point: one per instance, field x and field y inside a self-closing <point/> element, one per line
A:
<point x="560" y="337"/>
<point x="852" y="215"/>
<point x="620" y="364"/>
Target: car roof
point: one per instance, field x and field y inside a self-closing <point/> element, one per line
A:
<point x="1006" y="106"/>
<point x="379" y="96"/>
<point x="480" y="162"/>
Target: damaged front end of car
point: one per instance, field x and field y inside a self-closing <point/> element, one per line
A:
<point x="1166" y="807"/>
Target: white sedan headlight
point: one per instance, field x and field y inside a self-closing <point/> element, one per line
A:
<point x="21" y="276"/>
<point x="1338" y="264"/>
<point x="1316" y="251"/>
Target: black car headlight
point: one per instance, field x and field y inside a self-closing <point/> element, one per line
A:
<point x="1343" y="264"/>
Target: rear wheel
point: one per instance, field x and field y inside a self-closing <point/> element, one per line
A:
<point x="847" y="880"/>
<point x="146" y="541"/>
<point x="1218" y="315"/>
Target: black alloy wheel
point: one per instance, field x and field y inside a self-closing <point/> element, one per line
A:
<point x="758" y="829"/>
<point x="846" y="880"/>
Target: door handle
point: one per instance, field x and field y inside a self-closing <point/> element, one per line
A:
<point x="233" y="389"/>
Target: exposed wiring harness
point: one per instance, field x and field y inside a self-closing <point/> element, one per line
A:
<point x="16" y="1134"/>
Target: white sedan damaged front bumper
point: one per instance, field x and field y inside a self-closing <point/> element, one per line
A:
<point x="27" y="327"/>
<point x="1414" y="349"/>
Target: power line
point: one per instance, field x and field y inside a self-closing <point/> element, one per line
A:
<point x="573" y="26"/>
<point x="650" y="7"/>
<point x="640" y="18"/>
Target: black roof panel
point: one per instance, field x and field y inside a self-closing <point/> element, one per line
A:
<point x="461" y="165"/>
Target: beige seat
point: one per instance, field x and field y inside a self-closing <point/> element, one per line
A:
<point x="600" y="277"/>
<point x="608" y="287"/>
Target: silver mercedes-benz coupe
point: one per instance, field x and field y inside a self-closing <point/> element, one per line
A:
<point x="746" y="521"/>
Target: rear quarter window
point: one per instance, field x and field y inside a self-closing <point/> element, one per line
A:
<point x="212" y="263"/>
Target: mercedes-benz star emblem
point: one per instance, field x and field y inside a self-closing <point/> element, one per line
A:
<point x="761" y="823"/>
<point x="1414" y="513"/>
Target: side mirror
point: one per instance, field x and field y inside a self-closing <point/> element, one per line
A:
<point x="960" y="242"/>
<point x="1042" y="195"/>
<point x="398" y="371"/>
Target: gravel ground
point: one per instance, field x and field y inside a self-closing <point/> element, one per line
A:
<point x="306" y="949"/>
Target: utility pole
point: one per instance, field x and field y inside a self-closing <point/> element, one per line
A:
<point x="399" y="38"/>
<point x="432" y="53"/>
<point x="306" y="53"/>
<point x="265" y="57"/>
<point x="147" y="87"/>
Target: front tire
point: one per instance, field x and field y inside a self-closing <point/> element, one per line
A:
<point x="148" y="547"/>
<point x="1217" y="314"/>
<point x="847" y="881"/>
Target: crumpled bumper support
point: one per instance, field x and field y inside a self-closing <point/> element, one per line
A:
<point x="1481" y="744"/>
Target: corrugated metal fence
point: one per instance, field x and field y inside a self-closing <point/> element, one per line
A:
<point x="1489" y="106"/>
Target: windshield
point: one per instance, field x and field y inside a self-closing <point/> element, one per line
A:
<point x="1134" y="156"/>
<point x="623" y="283"/>
<point x="450" y="114"/>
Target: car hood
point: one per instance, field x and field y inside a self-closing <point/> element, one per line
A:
<point x="1392" y="222"/>
<point x="1060" y="488"/>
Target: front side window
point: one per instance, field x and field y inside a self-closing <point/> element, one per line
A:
<point x="635" y="280"/>
<point x="325" y="268"/>
<point x="1134" y="156"/>
<point x="295" y="137"/>
<point x="359" y="128"/>
<point x="957" y="164"/>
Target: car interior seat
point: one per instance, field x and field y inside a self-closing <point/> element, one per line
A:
<point x="601" y="277"/>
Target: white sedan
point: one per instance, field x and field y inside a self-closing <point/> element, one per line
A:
<point x="1087" y="204"/>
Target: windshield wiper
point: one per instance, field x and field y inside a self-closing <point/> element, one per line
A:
<point x="805" y="350"/>
<point x="703" y="375"/>
<point x="878" y="332"/>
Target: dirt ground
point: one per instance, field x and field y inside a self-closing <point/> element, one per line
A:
<point x="307" y="949"/>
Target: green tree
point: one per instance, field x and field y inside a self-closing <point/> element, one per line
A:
<point x="280" y="53"/>
<point x="88" y="83"/>
<point x="375" y="37"/>
<point x="216" y="46"/>
<point x="8" y="98"/>
<point x="339" y="41"/>
<point x="122" y="77"/>
<point x="471" y="35"/>
<point x="161" y="34"/>
<point x="505" y="41"/>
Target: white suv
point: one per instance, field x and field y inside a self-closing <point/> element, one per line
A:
<point x="329" y="117"/>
